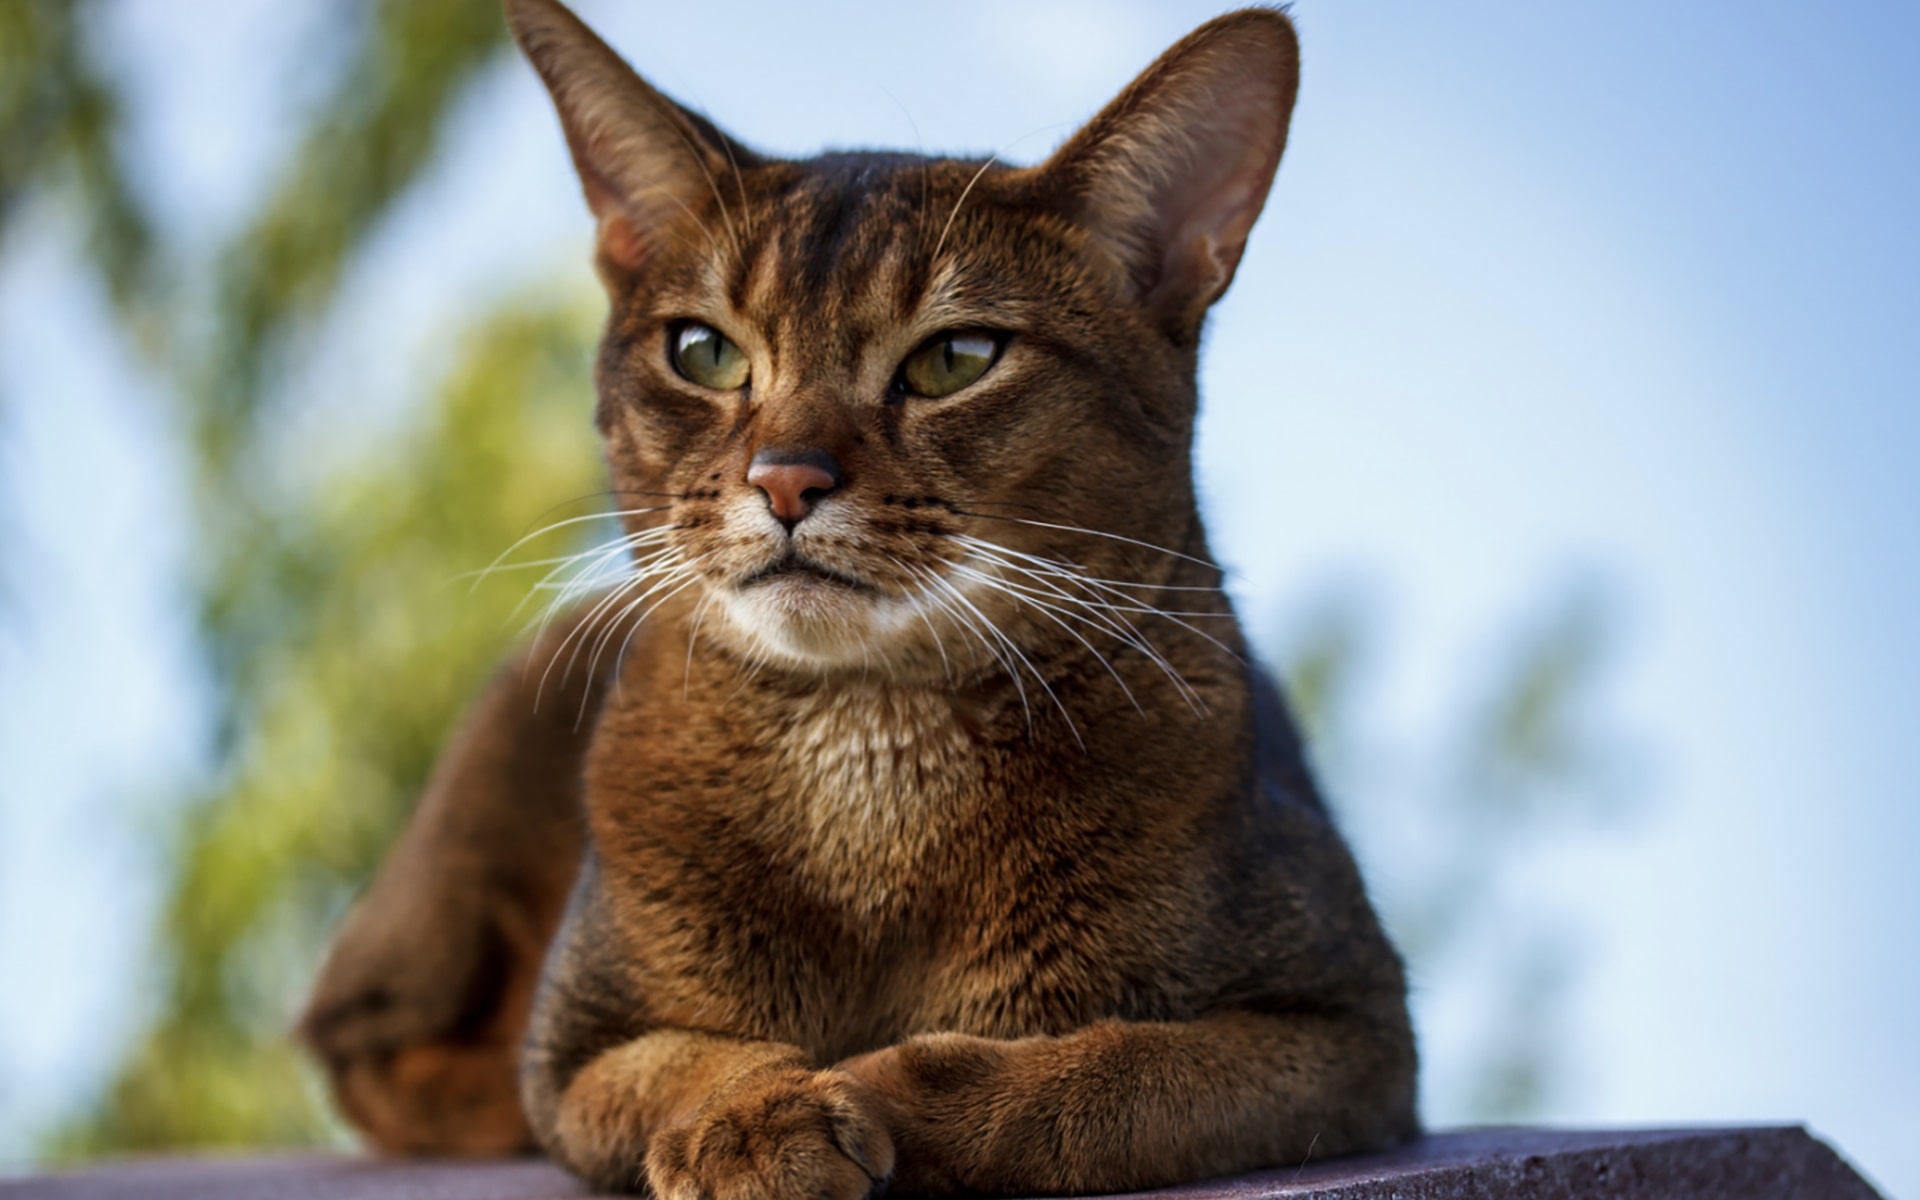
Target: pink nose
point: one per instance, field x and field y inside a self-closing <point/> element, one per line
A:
<point x="793" y="481"/>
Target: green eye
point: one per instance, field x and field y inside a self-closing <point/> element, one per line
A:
<point x="708" y="357"/>
<point x="947" y="363"/>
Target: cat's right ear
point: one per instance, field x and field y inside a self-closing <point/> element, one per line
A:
<point x="644" y="162"/>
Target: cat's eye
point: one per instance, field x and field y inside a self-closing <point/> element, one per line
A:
<point x="948" y="362"/>
<point x="708" y="357"/>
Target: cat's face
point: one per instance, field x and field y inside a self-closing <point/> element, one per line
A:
<point x="831" y="408"/>
<point x="869" y="408"/>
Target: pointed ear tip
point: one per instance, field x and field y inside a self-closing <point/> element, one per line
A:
<point x="1276" y="21"/>
<point x="1268" y="32"/>
<point x="529" y="20"/>
<point x="1250" y="44"/>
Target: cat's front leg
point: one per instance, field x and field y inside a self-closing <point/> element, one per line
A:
<point x="1121" y="1106"/>
<point x="419" y="1011"/>
<point x="697" y="1116"/>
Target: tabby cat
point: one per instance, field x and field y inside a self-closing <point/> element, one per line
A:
<point x="932" y="831"/>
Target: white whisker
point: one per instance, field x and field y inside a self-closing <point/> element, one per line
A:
<point x="587" y="580"/>
<point x="1099" y="616"/>
<point x="968" y="625"/>
<point x="1061" y="590"/>
<point x="669" y="577"/>
<point x="1055" y="614"/>
<point x="1078" y="572"/>
<point x="693" y="635"/>
<point x="632" y="539"/>
<point x="1013" y="648"/>
<point x="582" y="631"/>
<point x="946" y="666"/>
<point x="688" y="578"/>
<point x="570" y="521"/>
<point x="964" y="193"/>
<point x="1117" y="537"/>
<point x="1132" y="603"/>
<point x="647" y="577"/>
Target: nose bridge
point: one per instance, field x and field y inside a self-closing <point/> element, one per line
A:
<point x="800" y="421"/>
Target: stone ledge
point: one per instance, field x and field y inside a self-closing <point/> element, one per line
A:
<point x="1670" y="1164"/>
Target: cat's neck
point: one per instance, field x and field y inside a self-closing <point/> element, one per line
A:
<point x="853" y="779"/>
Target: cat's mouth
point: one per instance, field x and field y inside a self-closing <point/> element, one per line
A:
<point x="806" y="612"/>
<point x="803" y="570"/>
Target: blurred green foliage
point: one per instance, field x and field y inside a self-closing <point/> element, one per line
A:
<point x="372" y="645"/>
<point x="60" y="114"/>
<point x="338" y="649"/>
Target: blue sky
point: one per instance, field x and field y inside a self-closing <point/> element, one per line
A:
<point x="1545" y="293"/>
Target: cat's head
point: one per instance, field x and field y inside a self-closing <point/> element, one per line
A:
<point x="871" y="404"/>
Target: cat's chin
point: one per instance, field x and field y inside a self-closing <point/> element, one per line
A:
<point x="813" y="619"/>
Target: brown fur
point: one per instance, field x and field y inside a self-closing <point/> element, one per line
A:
<point x="871" y="892"/>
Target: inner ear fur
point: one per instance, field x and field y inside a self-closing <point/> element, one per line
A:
<point x="1170" y="176"/>
<point x="644" y="161"/>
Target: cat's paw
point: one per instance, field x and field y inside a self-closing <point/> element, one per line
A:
<point x="435" y="1098"/>
<point x="918" y="1086"/>
<point x="416" y="1019"/>
<point x="787" y="1135"/>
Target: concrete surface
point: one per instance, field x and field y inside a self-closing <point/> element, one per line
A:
<point x="1671" y="1164"/>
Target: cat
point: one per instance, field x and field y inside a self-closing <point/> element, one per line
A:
<point x="933" y="830"/>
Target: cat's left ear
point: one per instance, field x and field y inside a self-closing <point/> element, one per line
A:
<point x="1169" y="177"/>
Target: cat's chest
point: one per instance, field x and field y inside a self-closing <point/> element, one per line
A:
<point x="849" y="779"/>
<point x="862" y="787"/>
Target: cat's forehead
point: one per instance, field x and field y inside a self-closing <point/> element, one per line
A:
<point x="843" y="219"/>
<point x="867" y="170"/>
<point x="855" y="240"/>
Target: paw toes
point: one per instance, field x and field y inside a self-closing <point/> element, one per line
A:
<point x="805" y="1137"/>
<point x="668" y="1162"/>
